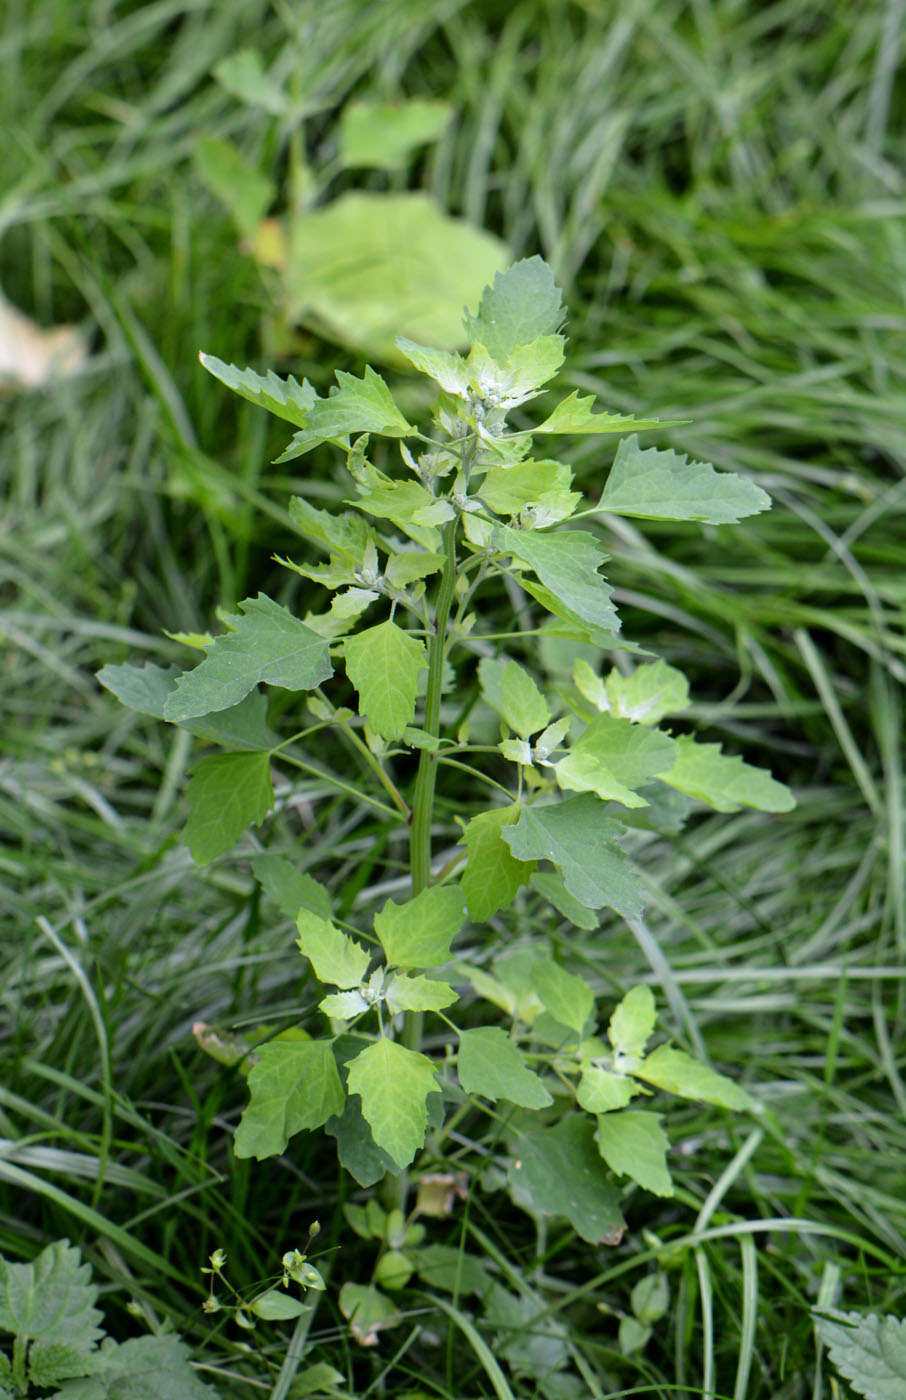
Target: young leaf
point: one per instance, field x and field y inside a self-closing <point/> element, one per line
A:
<point x="227" y="793"/>
<point x="648" y="694"/>
<point x="726" y="784"/>
<point x="510" y="381"/>
<point x="345" y="536"/>
<point x="294" y="1086"/>
<point x="367" y="1310"/>
<point x="612" y="758"/>
<point x="335" y="957"/>
<point x="288" y="887"/>
<point x="284" y="397"/>
<point x="404" y="503"/>
<point x="266" y="644"/>
<point x="632" y="1023"/>
<point x="506" y="490"/>
<point x="579" y="838"/>
<point x="407" y="993"/>
<point x="511" y="691"/>
<point x="314" y="1379"/>
<point x="574" y="415"/>
<point x="243" y="74"/>
<point x="383" y="664"/>
<point x="523" y="303"/>
<point x="493" y="875"/>
<point x="345" y="610"/>
<point x="600" y="1091"/>
<point x="677" y="1073"/>
<point x="489" y="1063"/>
<point x="869" y="1351"/>
<point x="448" y="369"/>
<point x="552" y="888"/>
<point x="566" y="562"/>
<point x="393" y="1084"/>
<point x="662" y="485"/>
<point x="403" y="569"/>
<point x="383" y="134"/>
<point x="343" y="1006"/>
<point x="567" y="997"/>
<point x="419" y="932"/>
<point x="558" y="1171"/>
<point x="634" y="1144"/>
<point x="51" y="1299"/>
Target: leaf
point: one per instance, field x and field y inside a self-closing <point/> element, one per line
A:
<point x="345" y="535"/>
<point x="448" y="369"/>
<point x="508" y="381"/>
<point x="726" y="784"/>
<point x="356" y="1148"/>
<point x="143" y="1368"/>
<point x="393" y="1083"/>
<point x="278" y="1306"/>
<point x="146" y="688"/>
<point x="582" y="841"/>
<point x="403" y="569"/>
<point x="334" y="956"/>
<point x="267" y="644"/>
<point x="489" y="1063"/>
<point x="523" y="303"/>
<point x="649" y="693"/>
<point x="244" y="191"/>
<point x="294" y="1087"/>
<point x="632" y="1023"/>
<point x="343" y="1006"/>
<point x="369" y="267"/>
<point x="419" y="932"/>
<point x="566" y="562"/>
<point x="552" y="888"/>
<point x="367" y="1310"/>
<point x="507" y="489"/>
<point x="320" y="1376"/>
<point x="286" y="398"/>
<point x="403" y="502"/>
<point x="227" y="793"/>
<point x="493" y="875"/>
<point x="142" y="688"/>
<point x="574" y="415"/>
<point x="600" y="1091"/>
<point x="383" y="134"/>
<point x="870" y="1351"/>
<point x="559" y="1172"/>
<point x="358" y="406"/>
<point x="452" y="1270"/>
<point x="51" y="1299"/>
<point x="567" y="997"/>
<point x="511" y="691"/>
<point x="407" y="993"/>
<point x="288" y="887"/>
<point x="613" y="757"/>
<point x="678" y="1073"/>
<point x="383" y="663"/>
<point x="244" y="76"/>
<point x="634" y="1144"/>
<point x="345" y="610"/>
<point x="662" y="485"/>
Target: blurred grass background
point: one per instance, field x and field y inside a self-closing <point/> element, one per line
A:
<point x="719" y="187"/>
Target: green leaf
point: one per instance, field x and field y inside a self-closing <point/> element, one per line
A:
<point x="403" y="502"/>
<point x="335" y="957"/>
<point x="393" y="1083"/>
<point x="493" y="875"/>
<point x="345" y="610"/>
<point x="726" y="784"/>
<point x="870" y="1351"/>
<point x="345" y="535"/>
<point x="419" y="932"/>
<point x="227" y="793"/>
<point x="284" y="397"/>
<point x="403" y="569"/>
<point x="450" y="370"/>
<point x="574" y="415"/>
<point x="634" y="1144"/>
<point x="143" y="1368"/>
<point x="567" y="997"/>
<point x="358" y="406"/>
<point x="146" y="688"/>
<point x="489" y="1063"/>
<point x="384" y="134"/>
<point x="523" y="303"/>
<point x="558" y="1171"/>
<point x="553" y="888"/>
<point x="648" y="694"/>
<point x="278" y="1306"/>
<point x="51" y="1299"/>
<point x="567" y="563"/>
<point x="506" y="490"/>
<point x="369" y="267"/>
<point x="267" y="644"/>
<point x="142" y="688"/>
<point x="383" y="663"/>
<point x="288" y="887"/>
<point x="244" y="191"/>
<point x="510" y="381"/>
<point x="511" y="691"/>
<point x="407" y="993"/>
<point x="452" y="1270"/>
<point x="244" y="76"/>
<point x="632" y="1023"/>
<point x="321" y="1376"/>
<point x="600" y="1091"/>
<point x="662" y="485"/>
<point x="356" y="1148"/>
<point x="650" y="1297"/>
<point x="368" y="1311"/>
<point x="343" y="1006"/>
<point x="582" y="841"/>
<point x="613" y="757"/>
<point x="678" y="1073"/>
<point x="294" y="1086"/>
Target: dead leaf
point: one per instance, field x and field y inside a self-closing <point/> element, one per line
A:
<point x="31" y="356"/>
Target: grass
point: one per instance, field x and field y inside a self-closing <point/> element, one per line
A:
<point x="719" y="187"/>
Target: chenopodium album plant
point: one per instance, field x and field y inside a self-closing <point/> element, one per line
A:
<point x="409" y="566"/>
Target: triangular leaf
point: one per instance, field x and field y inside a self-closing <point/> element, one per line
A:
<point x="600" y="1091"/>
<point x="393" y="1083"/>
<point x="552" y="887"/>
<point x="634" y="1144"/>
<point x="284" y="397"/>
<point x="334" y="956"/>
<point x="558" y="1171"/>
<point x="581" y="839"/>
<point x="512" y="692"/>
<point x="227" y="793"/>
<point x="523" y="303"/>
<point x="613" y="757"/>
<point x="567" y="997"/>
<point x="662" y="485"/>
<point x="726" y="784"/>
<point x="567" y="563"/>
<point x="492" y="875"/>
<point x="294" y="1087"/>
<point x="489" y="1063"/>
<point x="419" y="932"/>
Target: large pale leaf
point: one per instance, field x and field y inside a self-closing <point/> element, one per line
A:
<point x="662" y="485"/>
<point x="383" y="664"/>
<point x="393" y="1083"/>
<point x="227" y="793"/>
<point x="680" y="1074"/>
<point x="870" y="1351"/>
<point x="634" y="1144"/>
<point x="726" y="784"/>
<point x="493" y="875"/>
<point x="267" y="644"/>
<point x="370" y="267"/>
<point x="419" y="932"/>
<point x="284" y="397"/>
<point x="567" y="563"/>
<point x="489" y="1063"/>
<point x="335" y="956"/>
<point x="579" y="838"/>
<point x="294" y="1086"/>
<point x="558" y="1171"/>
<point x="523" y="302"/>
<point x="384" y="134"/>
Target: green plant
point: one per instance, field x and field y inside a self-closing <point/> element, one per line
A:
<point x="456" y="553"/>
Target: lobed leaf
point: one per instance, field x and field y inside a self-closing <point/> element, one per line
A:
<point x="419" y="932"/>
<point x="632" y="1023"/>
<point x="870" y="1351"/>
<point x="286" y="398"/>
<point x="726" y="784"/>
<point x="678" y="1073"/>
<point x="567" y="563"/>
<point x="662" y="485"/>
<point x="574" y="415"/>
<point x="493" y="875"/>
<point x="294" y="1086"/>
<point x="634" y="1144"/>
<point x="334" y="956"/>
<point x="393" y="1083"/>
<point x="523" y="302"/>
<point x="579" y="838"/>
<point x="558" y="1171"/>
<point x="51" y="1298"/>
